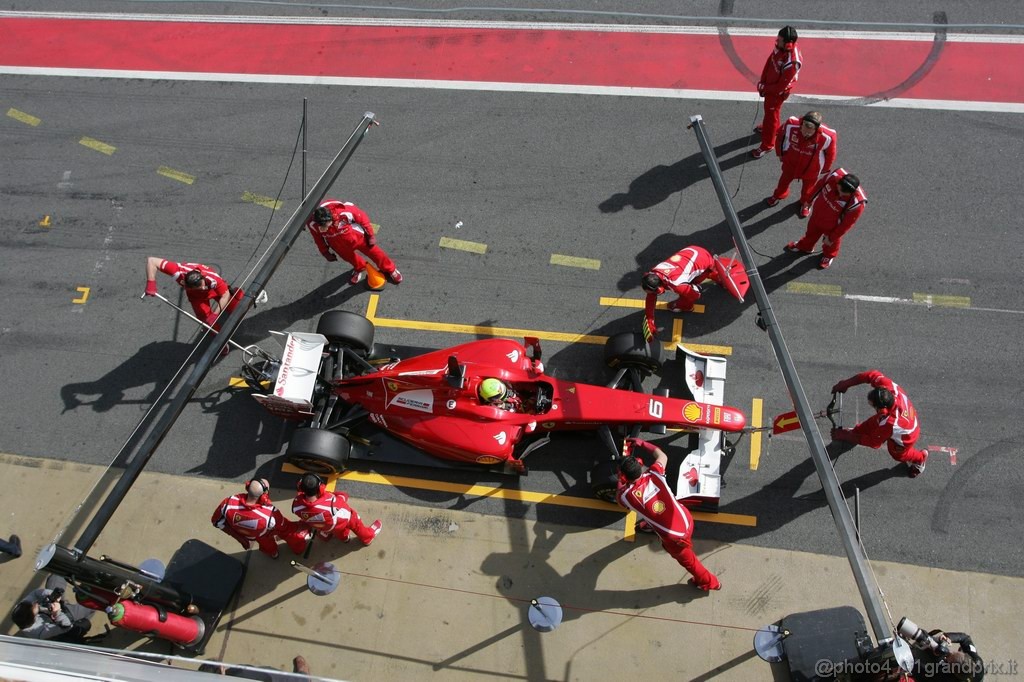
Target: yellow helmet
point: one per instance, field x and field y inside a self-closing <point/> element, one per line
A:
<point x="492" y="389"/>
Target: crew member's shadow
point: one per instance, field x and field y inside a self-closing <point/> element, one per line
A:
<point x="659" y="183"/>
<point x="244" y="430"/>
<point x="332" y="294"/>
<point x="152" y="364"/>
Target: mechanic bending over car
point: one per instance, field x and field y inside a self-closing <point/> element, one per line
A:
<point x="207" y="291"/>
<point x="648" y="494"/>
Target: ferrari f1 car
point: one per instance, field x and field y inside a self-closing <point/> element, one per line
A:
<point x="426" y="409"/>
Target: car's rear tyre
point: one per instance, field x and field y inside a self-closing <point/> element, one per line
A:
<point x="604" y="480"/>
<point x="629" y="349"/>
<point x="347" y="329"/>
<point x="318" y="451"/>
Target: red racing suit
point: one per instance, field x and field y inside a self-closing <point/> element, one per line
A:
<point x="832" y="215"/>
<point x="897" y="426"/>
<point x="778" y="76"/>
<point x="330" y="514"/>
<point x="651" y="498"/>
<point x="680" y="273"/>
<point x="260" y="521"/>
<point x="349" y="233"/>
<point x="805" y="159"/>
<point x="200" y="299"/>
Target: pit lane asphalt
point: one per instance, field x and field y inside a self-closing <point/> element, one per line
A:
<point x="609" y="178"/>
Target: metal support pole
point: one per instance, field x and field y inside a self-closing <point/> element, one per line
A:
<point x="159" y="420"/>
<point x="830" y="483"/>
<point x="304" y="128"/>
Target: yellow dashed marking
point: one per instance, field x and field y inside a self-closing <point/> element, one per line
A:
<point x="677" y="334"/>
<point x="45" y="222"/>
<point x="176" y="175"/>
<point x="96" y="145"/>
<point x="816" y="289"/>
<point x="260" y="200"/>
<point x="629" y="532"/>
<point x="508" y="494"/>
<point x="755" y="437"/>
<point x="23" y="117"/>
<point x="575" y="262"/>
<point x="236" y="382"/>
<point x="84" y="297"/>
<point x="639" y="303"/>
<point x="462" y="245"/>
<point x="946" y="301"/>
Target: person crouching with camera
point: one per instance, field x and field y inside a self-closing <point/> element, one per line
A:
<point x="44" y="614"/>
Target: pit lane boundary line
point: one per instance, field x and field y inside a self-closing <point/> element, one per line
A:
<point x="623" y="302"/>
<point x="513" y="332"/>
<point x="475" y="490"/>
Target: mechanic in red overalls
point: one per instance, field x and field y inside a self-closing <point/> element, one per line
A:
<point x="837" y="204"/>
<point x="894" y="423"/>
<point x="329" y="512"/>
<point x="808" y="150"/>
<point x="681" y="273"/>
<point x="207" y="291"/>
<point x="251" y="516"/>
<point x="649" y="495"/>
<point x="780" y="72"/>
<point x="342" y="228"/>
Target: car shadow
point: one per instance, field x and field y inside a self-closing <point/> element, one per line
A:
<point x="657" y="184"/>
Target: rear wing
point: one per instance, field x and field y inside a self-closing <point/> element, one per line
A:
<point x="700" y="475"/>
<point x="292" y="394"/>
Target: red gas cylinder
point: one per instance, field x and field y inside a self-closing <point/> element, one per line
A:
<point x="155" y="622"/>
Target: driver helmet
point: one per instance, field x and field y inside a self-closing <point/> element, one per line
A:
<point x="322" y="216"/>
<point x="492" y="390"/>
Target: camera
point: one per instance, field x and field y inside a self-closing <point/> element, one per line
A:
<point x="55" y="596"/>
<point x="909" y="631"/>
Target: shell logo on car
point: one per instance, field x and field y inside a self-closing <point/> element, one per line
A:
<point x="487" y="459"/>
<point x="692" y="412"/>
<point x="658" y="507"/>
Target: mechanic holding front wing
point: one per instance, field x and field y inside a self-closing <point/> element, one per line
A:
<point x="649" y="495"/>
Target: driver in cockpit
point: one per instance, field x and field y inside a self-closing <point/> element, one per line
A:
<point x="497" y="393"/>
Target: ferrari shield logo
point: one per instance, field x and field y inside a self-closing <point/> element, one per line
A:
<point x="392" y="386"/>
<point x="730" y="274"/>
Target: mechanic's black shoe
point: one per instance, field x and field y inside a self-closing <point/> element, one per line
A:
<point x="16" y="541"/>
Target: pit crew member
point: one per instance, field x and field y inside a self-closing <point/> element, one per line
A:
<point x="328" y="513"/>
<point x="837" y="204"/>
<point x="778" y="76"/>
<point x="649" y="495"/>
<point x="682" y="273"/>
<point x="808" y="150"/>
<point x="250" y="517"/>
<point x="340" y="228"/>
<point x="207" y="291"/>
<point x="894" y="422"/>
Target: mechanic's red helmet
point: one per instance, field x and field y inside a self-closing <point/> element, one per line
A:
<point x="492" y="390"/>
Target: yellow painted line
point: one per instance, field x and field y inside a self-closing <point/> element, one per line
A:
<point x="575" y="262"/>
<point x="505" y="332"/>
<point x="260" y="200"/>
<point x="462" y="245"/>
<point x="96" y="145"/>
<point x="613" y="302"/>
<point x="677" y="335"/>
<point x="84" y="297"/>
<point x="816" y="289"/>
<point x="629" y="532"/>
<point x="947" y="301"/>
<point x="755" y="437"/>
<point x="23" y="117"/>
<point x="517" y="495"/>
<point x="236" y="382"/>
<point x="176" y="175"/>
<point x="45" y="222"/>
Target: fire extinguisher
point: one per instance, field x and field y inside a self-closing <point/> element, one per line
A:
<point x="156" y="622"/>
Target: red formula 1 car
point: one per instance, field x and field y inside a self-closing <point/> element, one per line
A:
<point x="427" y="409"/>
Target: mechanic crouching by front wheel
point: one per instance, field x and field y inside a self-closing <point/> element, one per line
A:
<point x="329" y="512"/>
<point x="251" y="517"/>
<point x="649" y="495"/>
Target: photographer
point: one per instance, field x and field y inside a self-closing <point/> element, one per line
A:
<point x="44" y="614"/>
<point x="948" y="663"/>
